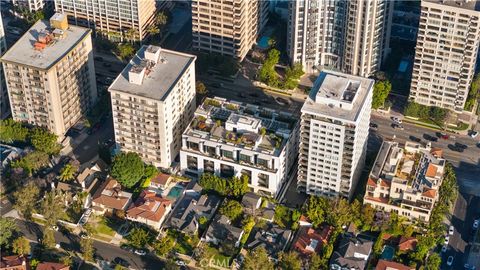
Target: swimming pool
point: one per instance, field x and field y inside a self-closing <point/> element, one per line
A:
<point x="402" y="67"/>
<point x="175" y="192"/>
<point x="388" y="253"/>
<point x="263" y="42"/>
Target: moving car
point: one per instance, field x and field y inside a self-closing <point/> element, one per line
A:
<point x="450" y="261"/>
<point x="451" y="230"/>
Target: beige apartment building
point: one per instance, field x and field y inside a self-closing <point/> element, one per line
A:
<point x="351" y="36"/>
<point x="446" y="53"/>
<point x="4" y="104"/>
<point x="405" y="180"/>
<point x="50" y="75"/>
<point x="153" y="100"/>
<point x="227" y="27"/>
<point x="117" y="19"/>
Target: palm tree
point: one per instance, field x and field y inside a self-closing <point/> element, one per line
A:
<point x="67" y="173"/>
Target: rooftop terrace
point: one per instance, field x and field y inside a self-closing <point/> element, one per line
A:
<point x="473" y="5"/>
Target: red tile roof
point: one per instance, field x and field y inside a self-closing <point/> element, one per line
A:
<point x="437" y="152"/>
<point x="429" y="193"/>
<point x="149" y="206"/>
<point x="377" y="199"/>
<point x="387" y="265"/>
<point x="110" y="195"/>
<point x="431" y="170"/>
<point x="309" y="239"/>
<point x="14" y="262"/>
<point x="407" y="243"/>
<point x="371" y="182"/>
<point x="384" y="183"/>
<point x="52" y="266"/>
<point x="160" y="179"/>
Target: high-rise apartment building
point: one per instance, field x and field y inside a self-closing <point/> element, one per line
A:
<point x="227" y="27"/>
<point x="333" y="134"/>
<point x="229" y="138"/>
<point x="119" y="19"/>
<point x="153" y="100"/>
<point x="351" y="36"/>
<point x="50" y="75"/>
<point x="4" y="104"/>
<point x="30" y="5"/>
<point x="446" y="53"/>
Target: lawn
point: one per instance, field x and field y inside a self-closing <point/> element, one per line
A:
<point x="184" y="244"/>
<point x="105" y="226"/>
<point x="219" y="259"/>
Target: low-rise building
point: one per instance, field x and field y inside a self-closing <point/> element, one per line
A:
<point x="388" y="265"/>
<point x="160" y="181"/>
<point x="149" y="209"/>
<point x="273" y="238"/>
<point x="221" y="231"/>
<point x="310" y="241"/>
<point x="52" y="266"/>
<point x="405" y="181"/>
<point x="228" y="138"/>
<point x="15" y="262"/>
<point x="352" y="252"/>
<point x="110" y="197"/>
<point x="253" y="205"/>
<point x="407" y="243"/>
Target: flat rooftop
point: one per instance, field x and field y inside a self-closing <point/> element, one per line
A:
<point x="337" y="95"/>
<point x="473" y="5"/>
<point x="23" y="51"/>
<point x="161" y="78"/>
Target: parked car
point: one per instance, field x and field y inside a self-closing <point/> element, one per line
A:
<point x="397" y="120"/>
<point x="475" y="224"/>
<point x="451" y="230"/>
<point x="55" y="228"/>
<point x="447" y="240"/>
<point x="84" y="235"/>
<point x="444" y="136"/>
<point x="450" y="261"/>
<point x="444" y="248"/>
<point x="429" y="137"/>
<point x="461" y="145"/>
<point x="469" y="267"/>
<point x="455" y="148"/>
<point x="126" y="247"/>
<point x="121" y="262"/>
<point x="474" y="134"/>
<point x="415" y="139"/>
<point x="180" y="263"/>
<point x="373" y="126"/>
<point x="140" y="252"/>
<point x="397" y="126"/>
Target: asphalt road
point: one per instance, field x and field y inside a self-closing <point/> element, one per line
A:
<point x="88" y="149"/>
<point x="105" y="251"/>
<point x="466" y="164"/>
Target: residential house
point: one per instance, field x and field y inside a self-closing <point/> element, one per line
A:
<point x="149" y="209"/>
<point x="160" y="181"/>
<point x="189" y="210"/>
<point x="309" y="241"/>
<point x="252" y="205"/>
<point x="15" y="262"/>
<point x="407" y="243"/>
<point x="352" y="252"/>
<point x="110" y="197"/>
<point x="405" y="181"/>
<point x="388" y="265"/>
<point x="273" y="238"/>
<point x="7" y="154"/>
<point x="221" y="231"/>
<point x="52" y="266"/>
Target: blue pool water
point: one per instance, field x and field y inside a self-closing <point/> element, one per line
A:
<point x="388" y="253"/>
<point x="263" y="42"/>
<point x="402" y="67"/>
<point x="175" y="192"/>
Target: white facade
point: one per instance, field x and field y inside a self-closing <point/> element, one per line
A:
<point x="151" y="112"/>
<point x="4" y="104"/>
<point x="30" y="5"/>
<point x="228" y="151"/>
<point x="446" y="53"/>
<point x="333" y="134"/>
<point x="351" y="36"/>
<point x="118" y="18"/>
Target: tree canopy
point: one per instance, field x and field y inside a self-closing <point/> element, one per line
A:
<point x="201" y="88"/>
<point x="126" y="50"/>
<point x="473" y="94"/>
<point x="86" y="246"/>
<point x="138" y="238"/>
<point x="257" y="259"/>
<point x="232" y="209"/>
<point x="7" y="228"/>
<point x="53" y="207"/>
<point x="423" y="112"/>
<point x="267" y="73"/>
<point x="128" y="169"/>
<point x="292" y="75"/>
<point x="44" y="141"/>
<point x="21" y="246"/>
<point x="26" y="199"/>
<point x="289" y="261"/>
<point x="381" y="89"/>
<point x="234" y="187"/>
<point x="67" y="173"/>
<point x="31" y="162"/>
<point x="11" y="131"/>
<point x="164" y="245"/>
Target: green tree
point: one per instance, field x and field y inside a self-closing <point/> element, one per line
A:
<point x="21" y="246"/>
<point x="248" y="223"/>
<point x="26" y="199"/>
<point x="7" y="228"/>
<point x="48" y="238"/>
<point x="296" y="214"/>
<point x="128" y="169"/>
<point x="232" y="209"/>
<point x="212" y="182"/>
<point x="292" y="75"/>
<point x="138" y="238"/>
<point x="200" y="88"/>
<point x="438" y="114"/>
<point x="282" y="216"/>
<point x="267" y="73"/>
<point x="53" y="207"/>
<point x="161" y="19"/>
<point x="31" y="162"/>
<point x="125" y="51"/>
<point x="378" y="245"/>
<point x="164" y="245"/>
<point x="67" y="173"/>
<point x="66" y="260"/>
<point x="238" y="186"/>
<point x="316" y="262"/>
<point x="257" y="259"/>
<point x="473" y="94"/>
<point x="381" y="89"/>
<point x="33" y="263"/>
<point x="153" y="30"/>
<point x="433" y="262"/>
<point x="289" y="261"/>
<point x="340" y="213"/>
<point x="86" y="246"/>
<point x="315" y="209"/>
<point x="11" y="131"/>
<point x="44" y="141"/>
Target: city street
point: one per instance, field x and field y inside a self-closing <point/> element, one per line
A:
<point x="103" y="250"/>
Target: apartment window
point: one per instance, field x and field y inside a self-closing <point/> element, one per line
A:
<point x="245" y="158"/>
<point x="192" y="163"/>
<point x="227" y="154"/>
<point x="226" y="171"/>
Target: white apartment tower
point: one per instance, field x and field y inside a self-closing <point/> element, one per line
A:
<point x="227" y="27"/>
<point x="333" y="134"/>
<point x="30" y="5"/>
<point x="351" y="36"/>
<point x="446" y="53"/>
<point x="118" y="19"/>
<point x="4" y="104"/>
<point x="50" y="75"/>
<point x="153" y="100"/>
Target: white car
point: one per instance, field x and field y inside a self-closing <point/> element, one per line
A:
<point x="397" y="120"/>
<point x="476" y="223"/>
<point x="447" y="240"/>
<point x="451" y="230"/>
<point x="444" y="249"/>
<point x="450" y="261"/>
<point x="180" y="263"/>
<point x="140" y="252"/>
<point x="55" y="228"/>
<point x="474" y="134"/>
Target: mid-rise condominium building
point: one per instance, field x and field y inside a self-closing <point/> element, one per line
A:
<point x="446" y="53"/>
<point x="333" y="135"/>
<point x="229" y="138"/>
<point x="405" y="181"/>
<point x="30" y="5"/>
<point x="227" y="27"/>
<point x="50" y="75"/>
<point x="153" y="100"/>
<point x="119" y="19"/>
<point x="4" y="104"/>
<point x="351" y="36"/>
